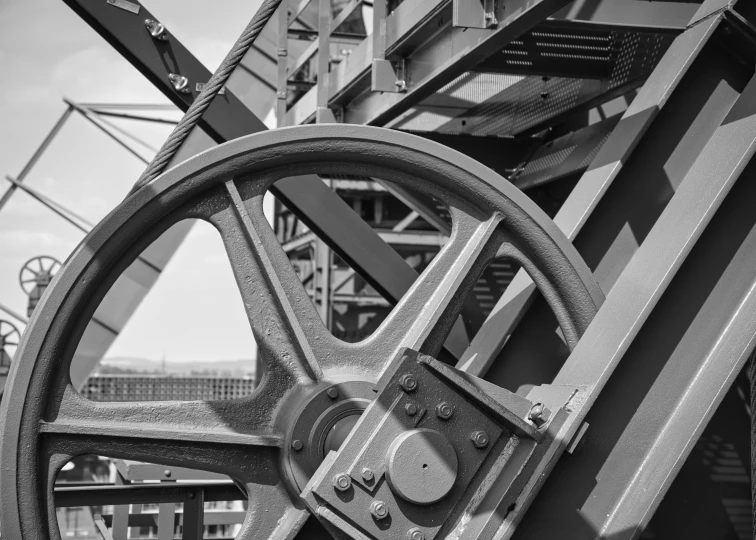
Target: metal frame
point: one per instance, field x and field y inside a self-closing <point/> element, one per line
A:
<point x="684" y="143"/>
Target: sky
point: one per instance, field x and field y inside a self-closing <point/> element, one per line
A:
<point x="47" y="53"/>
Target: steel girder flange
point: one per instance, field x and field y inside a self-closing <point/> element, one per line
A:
<point x="306" y="370"/>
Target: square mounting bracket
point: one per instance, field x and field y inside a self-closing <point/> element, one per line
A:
<point x="477" y="13"/>
<point x="387" y="76"/>
<point x="428" y="451"/>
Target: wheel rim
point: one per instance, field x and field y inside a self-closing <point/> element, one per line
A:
<point x="46" y="422"/>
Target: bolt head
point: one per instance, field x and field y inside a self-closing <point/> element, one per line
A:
<point x="167" y="473"/>
<point x="415" y="534"/>
<point x="190" y="495"/>
<point x="333" y="392"/>
<point x="410" y="409"/>
<point x="342" y="482"/>
<point x="379" y="509"/>
<point x="297" y="445"/>
<point x="444" y="410"/>
<point x="367" y="474"/>
<point x="479" y="439"/>
<point x="539" y="414"/>
<point x="408" y="382"/>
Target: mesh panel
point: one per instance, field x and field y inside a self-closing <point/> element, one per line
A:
<point x="614" y="59"/>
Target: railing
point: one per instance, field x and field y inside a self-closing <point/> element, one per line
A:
<point x="180" y="494"/>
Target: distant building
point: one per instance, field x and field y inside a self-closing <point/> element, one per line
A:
<point x="133" y="387"/>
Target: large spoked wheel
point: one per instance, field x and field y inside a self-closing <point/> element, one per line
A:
<point x="256" y="440"/>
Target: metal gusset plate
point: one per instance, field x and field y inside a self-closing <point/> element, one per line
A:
<point x="428" y="450"/>
<point x="259" y="440"/>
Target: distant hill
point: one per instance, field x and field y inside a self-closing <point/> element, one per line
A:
<point x="233" y="368"/>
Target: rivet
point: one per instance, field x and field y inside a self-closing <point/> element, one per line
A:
<point x="167" y="473"/>
<point x="190" y="495"/>
<point x="333" y="392"/>
<point x="408" y="382"/>
<point x="379" y="509"/>
<point x="342" y="482"/>
<point x="479" y="439"/>
<point x="415" y="534"/>
<point x="410" y="409"/>
<point x="538" y="414"/>
<point x="367" y="474"/>
<point x="297" y="445"/>
<point x="444" y="410"/>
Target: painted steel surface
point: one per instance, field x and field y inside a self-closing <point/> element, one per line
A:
<point x="46" y="422"/>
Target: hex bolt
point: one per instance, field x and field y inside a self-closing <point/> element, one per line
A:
<point x="297" y="445"/>
<point x="408" y="382"/>
<point x="410" y="409"/>
<point x="342" y="482"/>
<point x="538" y="414"/>
<point x="367" y="474"/>
<point x="379" y="509"/>
<point x="415" y="534"/>
<point x="479" y="439"/>
<point x="179" y="82"/>
<point x="156" y="29"/>
<point x="333" y="392"/>
<point x="444" y="410"/>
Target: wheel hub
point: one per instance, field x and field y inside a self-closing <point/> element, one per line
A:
<point x="323" y="423"/>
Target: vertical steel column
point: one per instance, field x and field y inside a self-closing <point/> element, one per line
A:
<point x="323" y="254"/>
<point x="283" y="62"/>
<point x="120" y="526"/>
<point x="167" y="518"/>
<point x="194" y="515"/>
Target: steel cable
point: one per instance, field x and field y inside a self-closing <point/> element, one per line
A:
<point x="204" y="99"/>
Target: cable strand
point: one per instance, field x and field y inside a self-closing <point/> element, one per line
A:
<point x="195" y="111"/>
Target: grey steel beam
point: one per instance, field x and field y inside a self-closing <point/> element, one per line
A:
<point x="564" y="156"/>
<point x="128" y="116"/>
<point x="618" y="161"/>
<point x="227" y="118"/>
<point x="411" y="238"/>
<point x="420" y="32"/>
<point x="67" y="495"/>
<point x="85" y="113"/>
<point x="450" y="53"/>
<point x="681" y="320"/>
<point x="37" y="154"/>
<point x="227" y="517"/>
<point x="14" y="314"/>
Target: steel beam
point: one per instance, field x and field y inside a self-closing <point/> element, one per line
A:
<point x="227" y="118"/>
<point x="681" y="320"/>
<point x="619" y="161"/>
<point x="67" y="495"/>
<point x="450" y="53"/>
<point x="37" y="154"/>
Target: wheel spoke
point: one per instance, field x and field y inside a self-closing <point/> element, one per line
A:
<point x="228" y="437"/>
<point x="428" y="311"/>
<point x="283" y="319"/>
<point x="271" y="515"/>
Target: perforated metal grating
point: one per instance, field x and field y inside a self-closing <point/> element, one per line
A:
<point x="566" y="69"/>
